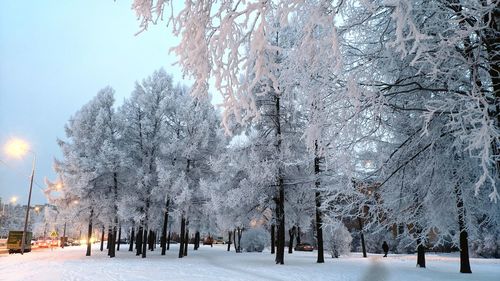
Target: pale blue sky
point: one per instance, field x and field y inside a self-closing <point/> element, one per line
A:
<point x="54" y="57"/>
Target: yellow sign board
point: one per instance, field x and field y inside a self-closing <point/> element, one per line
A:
<point x="53" y="234"/>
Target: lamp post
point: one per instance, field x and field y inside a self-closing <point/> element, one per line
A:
<point x="18" y="148"/>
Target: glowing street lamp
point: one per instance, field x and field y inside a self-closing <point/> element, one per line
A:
<point x="17" y="148"/>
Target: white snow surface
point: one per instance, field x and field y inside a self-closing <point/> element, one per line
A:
<point x="217" y="264"/>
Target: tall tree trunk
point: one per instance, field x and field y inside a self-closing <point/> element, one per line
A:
<point x="186" y="242"/>
<point x="119" y="237"/>
<point x="420" y="254"/>
<point x="291" y="233"/>
<point x="240" y="232"/>
<point x="164" y="229"/>
<point x="181" y="238"/>
<point x="138" y="241"/>
<point x="196" y="240"/>
<point x="111" y="243"/>
<point x="229" y="241"/>
<point x="298" y="235"/>
<point x="144" y="241"/>
<point x="234" y="241"/>
<point x="150" y="240"/>
<point x="362" y="236"/>
<point x="112" y="250"/>
<point x="132" y="236"/>
<point x="168" y="241"/>
<point x="280" y="196"/>
<point x="110" y="234"/>
<point x="280" y="247"/>
<point x="273" y="239"/>
<point x="464" y="241"/>
<point x="89" y="234"/>
<point x="319" y="219"/>
<point x="102" y="239"/>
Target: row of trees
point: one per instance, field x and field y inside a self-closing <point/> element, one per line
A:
<point x="381" y="113"/>
<point x="409" y="88"/>
<point x="140" y="163"/>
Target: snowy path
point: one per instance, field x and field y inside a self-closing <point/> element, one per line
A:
<point x="217" y="264"/>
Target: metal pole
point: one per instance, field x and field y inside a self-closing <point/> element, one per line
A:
<point x="23" y="242"/>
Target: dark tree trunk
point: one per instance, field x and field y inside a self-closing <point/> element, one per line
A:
<point x="280" y="198"/>
<point x="240" y="232"/>
<point x="144" y="242"/>
<point x="298" y="235"/>
<point x="164" y="229"/>
<point x="168" y="241"/>
<point x="229" y="241"/>
<point x="110" y="234"/>
<point x="102" y="239"/>
<point x="112" y="250"/>
<point x="132" y="236"/>
<point x="151" y="240"/>
<point x="186" y="242"/>
<point x="291" y="233"/>
<point x="119" y="237"/>
<point x="234" y="241"/>
<point x="196" y="240"/>
<point x="111" y="243"/>
<point x="89" y="234"/>
<point x="273" y="239"/>
<point x="362" y="236"/>
<point x="138" y="241"/>
<point x="280" y="215"/>
<point x="464" y="241"/>
<point x="420" y="254"/>
<point x="319" y="218"/>
<point x="181" y="238"/>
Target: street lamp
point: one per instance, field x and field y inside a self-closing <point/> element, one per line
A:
<point x="18" y="148"/>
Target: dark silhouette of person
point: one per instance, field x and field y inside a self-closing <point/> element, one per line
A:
<point x="385" y="247"/>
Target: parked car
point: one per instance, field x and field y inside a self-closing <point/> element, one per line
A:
<point x="219" y="240"/>
<point x="42" y="243"/>
<point x="208" y="241"/>
<point x="304" y="247"/>
<point x="76" y="243"/>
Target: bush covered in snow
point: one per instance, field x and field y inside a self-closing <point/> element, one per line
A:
<point x="255" y="240"/>
<point x="337" y="239"/>
<point x="487" y="246"/>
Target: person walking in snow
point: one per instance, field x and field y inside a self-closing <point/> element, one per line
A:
<point x="385" y="247"/>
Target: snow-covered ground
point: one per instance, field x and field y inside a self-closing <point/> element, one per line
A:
<point x="217" y="264"/>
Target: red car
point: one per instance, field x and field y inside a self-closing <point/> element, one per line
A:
<point x="304" y="247"/>
<point x="42" y="243"/>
